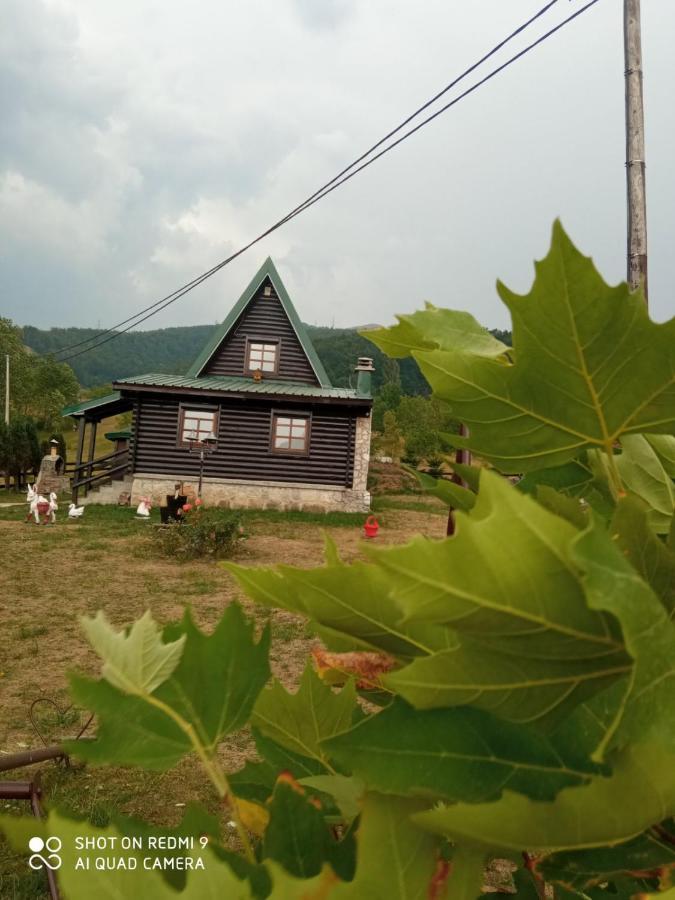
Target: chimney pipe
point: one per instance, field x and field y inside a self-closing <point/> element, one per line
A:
<point x="364" y="373"/>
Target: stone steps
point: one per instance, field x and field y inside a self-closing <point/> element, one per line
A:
<point x="107" y="493"/>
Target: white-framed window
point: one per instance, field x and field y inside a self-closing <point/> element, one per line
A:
<point x="197" y="424"/>
<point x="262" y="355"/>
<point x="290" y="434"/>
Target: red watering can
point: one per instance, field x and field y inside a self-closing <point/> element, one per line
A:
<point x="371" y="527"/>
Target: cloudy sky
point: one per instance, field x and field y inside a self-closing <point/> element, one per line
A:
<point x="141" y="141"/>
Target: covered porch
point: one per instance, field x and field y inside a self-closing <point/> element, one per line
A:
<point x="91" y="471"/>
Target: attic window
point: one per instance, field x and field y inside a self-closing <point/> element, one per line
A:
<point x="290" y="434"/>
<point x="267" y="290"/>
<point x="263" y="356"/>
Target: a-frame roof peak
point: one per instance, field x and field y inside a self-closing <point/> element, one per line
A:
<point x="266" y="270"/>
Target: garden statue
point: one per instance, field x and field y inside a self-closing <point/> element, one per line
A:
<point x="144" y="507"/>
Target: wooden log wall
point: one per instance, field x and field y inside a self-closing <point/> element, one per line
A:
<point x="243" y="448"/>
<point x="264" y="317"/>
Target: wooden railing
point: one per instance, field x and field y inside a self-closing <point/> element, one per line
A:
<point x="96" y="471"/>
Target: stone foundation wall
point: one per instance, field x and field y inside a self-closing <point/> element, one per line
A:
<point x="232" y="494"/>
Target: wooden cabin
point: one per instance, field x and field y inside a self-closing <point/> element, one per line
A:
<point x="256" y="415"/>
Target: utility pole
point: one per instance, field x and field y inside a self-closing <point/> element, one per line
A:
<point x="7" y="389"/>
<point x="635" y="148"/>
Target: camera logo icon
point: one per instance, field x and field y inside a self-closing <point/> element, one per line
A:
<point x="51" y="859"/>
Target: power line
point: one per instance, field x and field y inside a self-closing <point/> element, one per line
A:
<point x="301" y="206"/>
<point x="198" y="279"/>
<point x="339" y="179"/>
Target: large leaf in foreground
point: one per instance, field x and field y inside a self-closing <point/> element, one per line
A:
<point x="458" y="754"/>
<point x="518" y="689"/>
<point x="612" y="584"/>
<point x="640" y="791"/>
<point x="506" y="578"/>
<point x="301" y="721"/>
<point x="134" y="729"/>
<point x="395" y="859"/>
<point x="590" y="366"/>
<point x="345" y="601"/>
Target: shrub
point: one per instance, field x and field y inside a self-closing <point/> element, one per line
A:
<point x="203" y="532"/>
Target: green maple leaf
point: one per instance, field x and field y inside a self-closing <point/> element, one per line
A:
<point x="643" y="474"/>
<point x="212" y="690"/>
<point x="301" y="721"/>
<point x="395" y="859"/>
<point x="528" y="646"/>
<point x="435" y="328"/>
<point x="584" y="868"/>
<point x="640" y="791"/>
<point x="458" y="754"/>
<point x="589" y="366"/>
<point x="352" y="605"/>
<point x="647" y="709"/>
<point x="137" y="661"/>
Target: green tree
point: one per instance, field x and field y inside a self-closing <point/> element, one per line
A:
<point x="39" y="385"/>
<point x="391" y="440"/>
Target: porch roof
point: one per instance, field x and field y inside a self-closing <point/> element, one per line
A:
<point x="99" y="408"/>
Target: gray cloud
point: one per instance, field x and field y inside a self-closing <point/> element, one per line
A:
<point x="141" y="142"/>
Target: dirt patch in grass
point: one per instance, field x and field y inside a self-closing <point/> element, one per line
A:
<point x="55" y="574"/>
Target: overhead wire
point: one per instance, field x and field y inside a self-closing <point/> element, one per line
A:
<point x="341" y="178"/>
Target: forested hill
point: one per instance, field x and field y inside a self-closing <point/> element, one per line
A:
<point x="172" y="350"/>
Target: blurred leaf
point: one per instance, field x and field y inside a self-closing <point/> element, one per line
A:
<point x="351" y="604"/>
<point x="459" y="754"/>
<point x="585" y="868"/>
<point x="395" y="859"/>
<point x="612" y="584"/>
<point x="664" y="445"/>
<point x="643" y="778"/>
<point x="136" y="662"/>
<point x="347" y="791"/>
<point x="436" y="328"/>
<point x="517" y="689"/>
<point x="643" y="474"/>
<point x="650" y="556"/>
<point x="297" y="836"/>
<point x="453" y="494"/>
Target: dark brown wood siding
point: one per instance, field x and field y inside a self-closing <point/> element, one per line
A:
<point x="243" y="448"/>
<point x="264" y="317"/>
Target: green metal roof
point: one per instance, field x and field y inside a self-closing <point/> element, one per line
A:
<point x="78" y="409"/>
<point x="118" y="435"/>
<point x="267" y="270"/>
<point x="226" y="384"/>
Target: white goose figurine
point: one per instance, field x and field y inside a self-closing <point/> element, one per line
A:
<point x="75" y="512"/>
<point x="144" y="507"/>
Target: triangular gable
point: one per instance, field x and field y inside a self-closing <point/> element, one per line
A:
<point x="222" y="332"/>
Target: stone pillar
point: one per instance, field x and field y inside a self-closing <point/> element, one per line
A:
<point x="361" y="453"/>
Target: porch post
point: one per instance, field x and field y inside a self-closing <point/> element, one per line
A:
<point x="90" y="455"/>
<point x="78" y="457"/>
